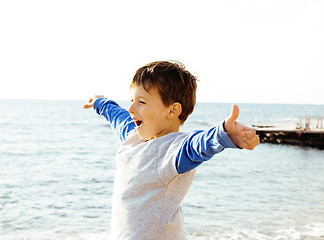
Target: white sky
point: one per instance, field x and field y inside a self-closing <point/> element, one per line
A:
<point x="259" y="51"/>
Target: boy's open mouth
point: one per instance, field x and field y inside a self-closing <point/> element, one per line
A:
<point x="138" y="123"/>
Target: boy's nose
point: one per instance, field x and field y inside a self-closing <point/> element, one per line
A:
<point x="131" y="108"/>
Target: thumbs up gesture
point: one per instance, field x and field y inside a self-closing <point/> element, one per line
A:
<point x="242" y="136"/>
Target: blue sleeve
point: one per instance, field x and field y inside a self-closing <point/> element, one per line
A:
<point x="118" y="117"/>
<point x="200" y="146"/>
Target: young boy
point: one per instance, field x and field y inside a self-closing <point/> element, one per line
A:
<point x="156" y="163"/>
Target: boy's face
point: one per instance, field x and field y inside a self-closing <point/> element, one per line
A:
<point x="149" y="113"/>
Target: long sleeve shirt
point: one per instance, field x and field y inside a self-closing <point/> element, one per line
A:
<point x="153" y="177"/>
<point x="199" y="145"/>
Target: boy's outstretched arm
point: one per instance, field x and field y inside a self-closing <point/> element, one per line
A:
<point x="242" y="136"/>
<point x="200" y="146"/>
<point x="118" y="117"/>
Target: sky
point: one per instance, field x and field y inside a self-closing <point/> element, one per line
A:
<point x="260" y="51"/>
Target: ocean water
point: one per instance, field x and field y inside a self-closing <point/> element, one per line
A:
<point x="57" y="165"/>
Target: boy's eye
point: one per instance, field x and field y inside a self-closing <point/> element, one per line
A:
<point x="141" y="102"/>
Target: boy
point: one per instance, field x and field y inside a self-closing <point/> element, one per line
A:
<point x="156" y="163"/>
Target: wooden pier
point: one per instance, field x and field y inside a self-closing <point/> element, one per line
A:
<point x="300" y="135"/>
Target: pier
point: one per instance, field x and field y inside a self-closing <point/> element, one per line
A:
<point x="301" y="135"/>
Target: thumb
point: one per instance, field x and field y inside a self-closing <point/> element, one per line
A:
<point x="89" y="104"/>
<point x="234" y="114"/>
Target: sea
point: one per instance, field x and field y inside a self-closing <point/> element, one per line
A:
<point x="57" y="166"/>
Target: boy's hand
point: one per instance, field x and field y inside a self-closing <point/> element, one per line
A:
<point x="91" y="101"/>
<point x="242" y="136"/>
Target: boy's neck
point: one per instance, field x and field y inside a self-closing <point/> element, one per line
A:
<point x="173" y="127"/>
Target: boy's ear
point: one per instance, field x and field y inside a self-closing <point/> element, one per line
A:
<point x="175" y="110"/>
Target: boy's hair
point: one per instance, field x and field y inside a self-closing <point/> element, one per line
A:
<point x="173" y="82"/>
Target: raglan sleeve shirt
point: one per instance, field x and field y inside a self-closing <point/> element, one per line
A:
<point x="198" y="146"/>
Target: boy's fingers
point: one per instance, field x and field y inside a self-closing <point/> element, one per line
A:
<point x="89" y="104"/>
<point x="99" y="96"/>
<point x="250" y="139"/>
<point x="91" y="101"/>
<point x="250" y="133"/>
<point x="253" y="142"/>
<point x="86" y="106"/>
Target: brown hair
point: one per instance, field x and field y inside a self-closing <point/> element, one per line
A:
<point x="173" y="82"/>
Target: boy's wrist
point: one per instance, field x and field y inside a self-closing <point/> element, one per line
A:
<point x="228" y="143"/>
<point x="98" y="101"/>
